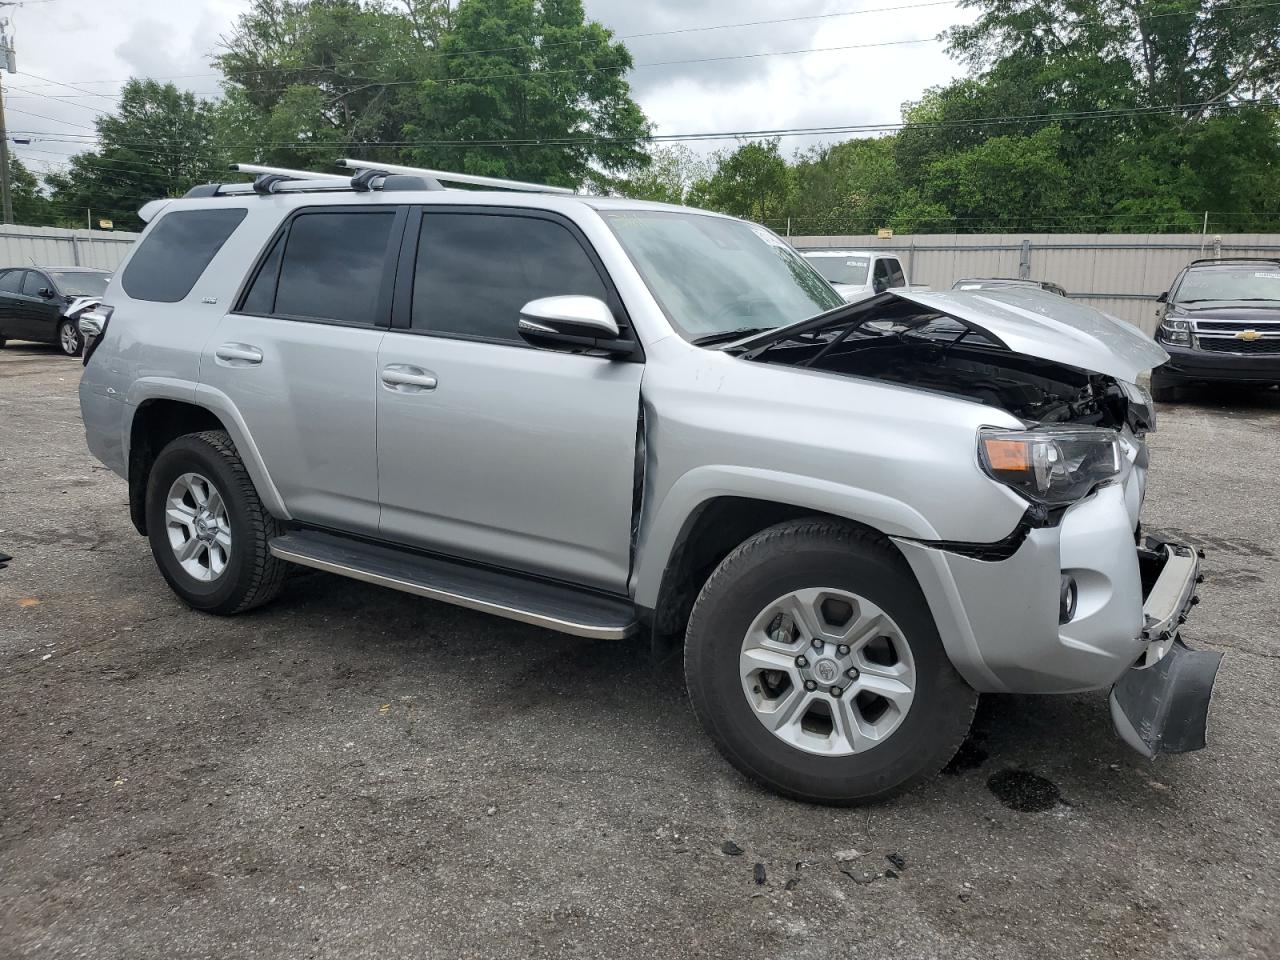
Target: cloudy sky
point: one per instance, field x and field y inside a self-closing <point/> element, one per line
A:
<point x="94" y="45"/>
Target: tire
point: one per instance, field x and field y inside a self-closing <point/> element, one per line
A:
<point x="70" y="342"/>
<point x="824" y="559"/>
<point x="232" y="573"/>
<point x="1162" y="390"/>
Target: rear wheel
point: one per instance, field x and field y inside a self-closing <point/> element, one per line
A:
<point x="813" y="662"/>
<point x="69" y="340"/>
<point x="209" y="532"/>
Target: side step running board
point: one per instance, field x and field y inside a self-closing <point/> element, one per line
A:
<point x="543" y="604"/>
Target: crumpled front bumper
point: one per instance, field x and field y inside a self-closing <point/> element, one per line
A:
<point x="1161" y="704"/>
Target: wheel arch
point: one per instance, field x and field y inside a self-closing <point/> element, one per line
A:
<point x="699" y="524"/>
<point x="164" y="415"/>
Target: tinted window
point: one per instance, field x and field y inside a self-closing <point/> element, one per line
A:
<point x="11" y="281"/>
<point x="333" y="266"/>
<point x="34" y="283"/>
<point x="172" y="256"/>
<point x="261" y="297"/>
<point x="475" y="272"/>
<point x="896" y="276"/>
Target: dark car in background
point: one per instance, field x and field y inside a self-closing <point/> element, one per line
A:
<point x="43" y="303"/>
<point x="996" y="283"/>
<point x="1220" y="323"/>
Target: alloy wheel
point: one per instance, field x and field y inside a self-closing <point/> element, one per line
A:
<point x="198" y="527"/>
<point x="827" y="671"/>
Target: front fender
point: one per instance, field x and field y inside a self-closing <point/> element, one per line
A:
<point x="660" y="533"/>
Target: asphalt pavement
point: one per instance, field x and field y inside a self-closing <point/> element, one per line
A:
<point x="353" y="772"/>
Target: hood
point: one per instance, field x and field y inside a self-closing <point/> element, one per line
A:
<point x="1250" y="312"/>
<point x="1051" y="328"/>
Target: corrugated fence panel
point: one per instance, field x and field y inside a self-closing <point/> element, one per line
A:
<point x="1121" y="274"/>
<point x="55" y="247"/>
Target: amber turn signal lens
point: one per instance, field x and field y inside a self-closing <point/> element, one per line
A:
<point x="1010" y="455"/>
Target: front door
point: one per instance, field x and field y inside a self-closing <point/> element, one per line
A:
<point x="12" y="325"/>
<point x="298" y="360"/>
<point x="488" y="448"/>
<point x="43" y="307"/>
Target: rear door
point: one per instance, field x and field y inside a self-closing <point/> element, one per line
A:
<point x="297" y="356"/>
<point x="11" y="305"/>
<point x="503" y="453"/>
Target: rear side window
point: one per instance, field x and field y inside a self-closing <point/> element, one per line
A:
<point x="332" y="268"/>
<point x="171" y="258"/>
<point x="475" y="271"/>
<point x="11" y="281"/>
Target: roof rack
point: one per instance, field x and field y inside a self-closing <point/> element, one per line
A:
<point x="450" y="177"/>
<point x="368" y="176"/>
<point x="1234" y="260"/>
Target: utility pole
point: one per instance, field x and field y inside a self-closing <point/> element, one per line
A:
<point x="9" y="62"/>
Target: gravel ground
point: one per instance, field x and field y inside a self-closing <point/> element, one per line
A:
<point x="353" y="772"/>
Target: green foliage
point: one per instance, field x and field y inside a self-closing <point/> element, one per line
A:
<point x="538" y="74"/>
<point x="159" y="143"/>
<point x="30" y="205"/>
<point x="669" y="177"/>
<point x="752" y="181"/>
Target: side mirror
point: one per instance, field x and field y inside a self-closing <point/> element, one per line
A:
<point x="583" y="322"/>
<point x="45" y="293"/>
<point x="879" y="284"/>
<point x="1163" y="298"/>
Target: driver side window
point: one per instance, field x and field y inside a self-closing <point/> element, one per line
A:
<point x="34" y="283"/>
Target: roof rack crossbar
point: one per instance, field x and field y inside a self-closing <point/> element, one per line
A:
<point x="449" y="177"/>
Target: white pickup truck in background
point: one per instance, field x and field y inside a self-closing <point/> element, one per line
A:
<point x="858" y="274"/>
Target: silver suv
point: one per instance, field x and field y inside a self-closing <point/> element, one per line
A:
<point x="603" y="416"/>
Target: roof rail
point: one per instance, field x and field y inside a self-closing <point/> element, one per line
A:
<point x="448" y="177"/>
<point x="1234" y="260"/>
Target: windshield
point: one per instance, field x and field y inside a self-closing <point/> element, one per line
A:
<point x="1255" y="282"/>
<point x="842" y="269"/>
<point x="81" y="283"/>
<point x="713" y="275"/>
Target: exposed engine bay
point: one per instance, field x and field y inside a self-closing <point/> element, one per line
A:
<point x="910" y="345"/>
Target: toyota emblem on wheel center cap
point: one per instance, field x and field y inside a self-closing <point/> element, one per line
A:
<point x="827" y="670"/>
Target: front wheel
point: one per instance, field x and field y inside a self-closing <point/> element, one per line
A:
<point x="69" y="340"/>
<point x="209" y="532"/>
<point x="813" y="662"/>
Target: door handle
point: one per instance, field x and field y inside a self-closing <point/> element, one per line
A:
<point x="238" y="355"/>
<point x="406" y="379"/>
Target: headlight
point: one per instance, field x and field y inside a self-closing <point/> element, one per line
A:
<point x="1052" y="466"/>
<point x="1176" y="331"/>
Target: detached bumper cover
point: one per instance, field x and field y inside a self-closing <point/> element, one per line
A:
<point x="1163" y="707"/>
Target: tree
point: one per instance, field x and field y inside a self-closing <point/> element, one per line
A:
<point x="159" y="143"/>
<point x="529" y="90"/>
<point x="850" y="187"/>
<point x="307" y="82"/>
<point x="669" y="177"/>
<point x="752" y="181"/>
<point x="30" y="205"/>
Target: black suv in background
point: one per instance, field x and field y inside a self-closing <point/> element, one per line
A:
<point x="1220" y="322"/>
<point x="42" y="303"/>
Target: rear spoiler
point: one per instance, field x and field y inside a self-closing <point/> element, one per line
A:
<point x="149" y="210"/>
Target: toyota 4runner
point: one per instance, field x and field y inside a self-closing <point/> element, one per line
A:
<point x="602" y="416"/>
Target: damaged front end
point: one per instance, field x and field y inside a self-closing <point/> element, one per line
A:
<point x="1070" y="375"/>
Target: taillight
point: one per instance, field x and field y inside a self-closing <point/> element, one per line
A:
<point x="93" y="324"/>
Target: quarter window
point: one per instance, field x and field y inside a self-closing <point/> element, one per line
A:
<point x="174" y="254"/>
<point x="333" y="267"/>
<point x="475" y="271"/>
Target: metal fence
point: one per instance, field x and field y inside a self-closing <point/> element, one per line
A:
<point x="56" y="247"/>
<point x="1119" y="273"/>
